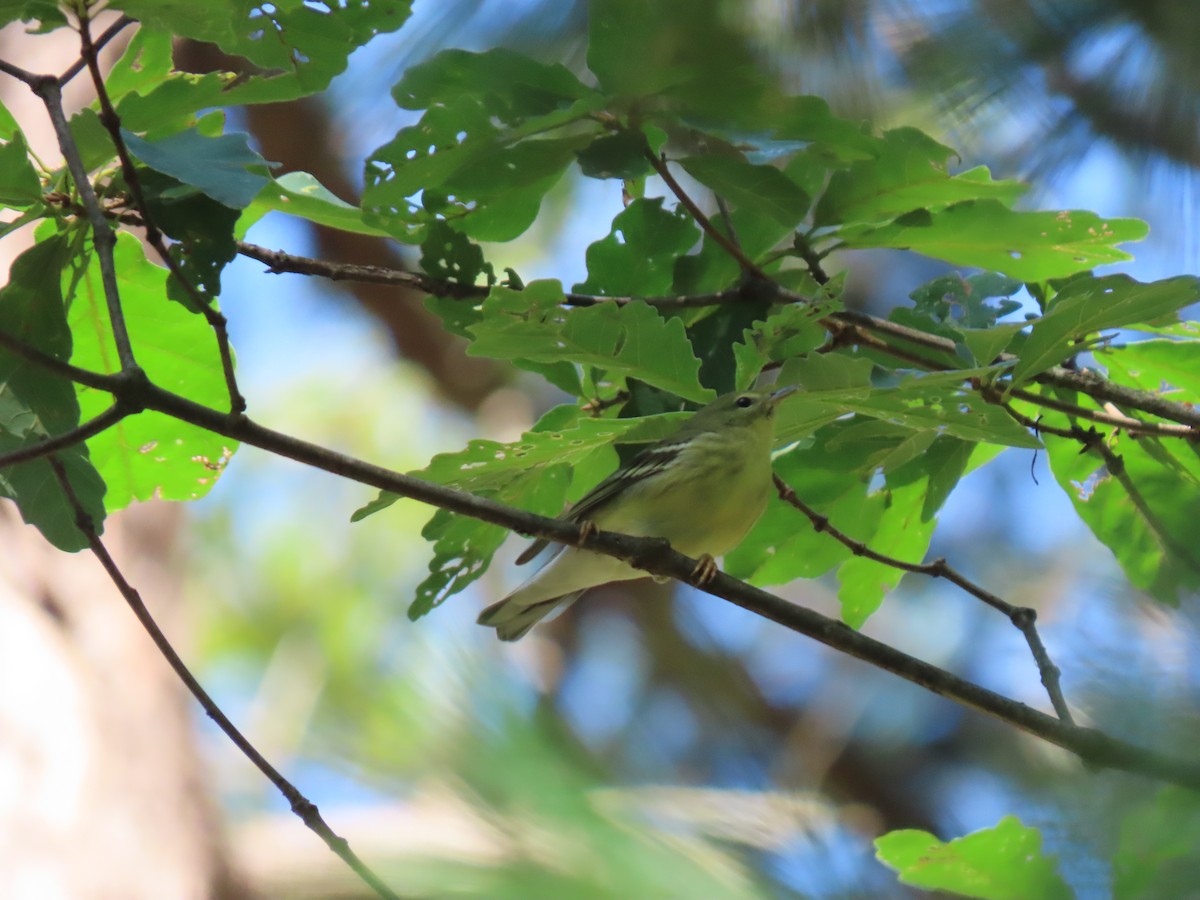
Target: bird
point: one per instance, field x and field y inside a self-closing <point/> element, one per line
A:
<point x="702" y="488"/>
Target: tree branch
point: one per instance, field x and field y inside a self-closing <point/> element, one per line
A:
<point x="76" y="435"/>
<point x="860" y="327"/>
<point x="103" y="237"/>
<point x="89" y="53"/>
<point x="278" y="261"/>
<point x="656" y="557"/>
<point x="109" y="33"/>
<point x="1022" y="617"/>
<point x="301" y="805"/>
<point x="726" y="243"/>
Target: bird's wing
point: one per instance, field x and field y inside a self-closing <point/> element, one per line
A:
<point x="654" y="459"/>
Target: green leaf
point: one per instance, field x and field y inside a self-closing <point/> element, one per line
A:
<point x="903" y="532"/>
<point x="715" y="336"/>
<point x="150" y="454"/>
<point x="204" y="229"/>
<point x="1158" y="366"/>
<point x="1000" y="863"/>
<point x="45" y="12"/>
<point x="910" y="172"/>
<point x="713" y="269"/>
<point x="468" y="157"/>
<point x="300" y="194"/>
<point x="787" y="332"/>
<point x="19" y="183"/>
<point x="466" y="172"/>
<point x="8" y="124"/>
<point x="1087" y="305"/>
<point x="298" y="47"/>
<point x="1156" y="853"/>
<point x="40" y="405"/>
<point x="92" y="138"/>
<point x="759" y="187"/>
<point x="513" y="86"/>
<point x="686" y="52"/>
<point x="783" y="545"/>
<point x="620" y="155"/>
<point x="224" y="168"/>
<point x="497" y="196"/>
<point x="837" y="383"/>
<point x="451" y="256"/>
<point x="1031" y="246"/>
<point x="630" y="339"/>
<point x="1147" y="531"/>
<point x="638" y="256"/>
<point x="964" y="301"/>
<point x="836" y="140"/>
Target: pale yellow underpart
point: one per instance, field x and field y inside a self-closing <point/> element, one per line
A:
<point x="708" y="513"/>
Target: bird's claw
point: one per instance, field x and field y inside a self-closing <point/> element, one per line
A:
<point x="587" y="529"/>
<point x="705" y="571"/>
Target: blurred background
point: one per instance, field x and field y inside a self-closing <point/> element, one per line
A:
<point x="652" y="742"/>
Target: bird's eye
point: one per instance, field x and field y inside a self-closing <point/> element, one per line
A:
<point x="744" y="402"/>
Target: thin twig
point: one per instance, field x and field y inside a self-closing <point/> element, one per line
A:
<point x="109" y="33"/>
<point x="656" y="557"/>
<point x="1022" y="617"/>
<point x="301" y="805"/>
<point x="103" y="237"/>
<point x="811" y="258"/>
<point x="1125" y="423"/>
<point x="860" y="328"/>
<point x="278" y="261"/>
<point x="154" y="237"/>
<point x="1115" y="464"/>
<point x="20" y="74"/>
<point x="748" y="266"/>
<point x="76" y="435"/>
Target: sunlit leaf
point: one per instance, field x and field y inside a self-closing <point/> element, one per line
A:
<point x="150" y="454"/>
<point x="1000" y="863"/>
<point x="1032" y="246"/>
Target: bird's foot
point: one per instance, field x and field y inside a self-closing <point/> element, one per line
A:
<point x="706" y="570"/>
<point x="587" y="529"/>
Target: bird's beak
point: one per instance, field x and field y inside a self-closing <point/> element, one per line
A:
<point x="778" y="395"/>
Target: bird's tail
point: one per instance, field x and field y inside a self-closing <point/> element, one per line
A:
<point x="513" y="616"/>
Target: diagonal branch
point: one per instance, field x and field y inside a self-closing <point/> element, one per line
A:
<point x="109" y="33"/>
<point x="1022" y="617"/>
<point x="76" y="435"/>
<point x="726" y="243"/>
<point x="301" y="805"/>
<point x="657" y="558"/>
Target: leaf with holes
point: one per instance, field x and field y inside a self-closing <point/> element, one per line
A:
<point x="1142" y="516"/>
<point x="910" y="172"/>
<point x="150" y="454"/>
<point x="296" y="48"/>
<point x="1087" y="305"/>
<point x="1031" y="246"/>
<point x="628" y="339"/>
<point x="638" y="256"/>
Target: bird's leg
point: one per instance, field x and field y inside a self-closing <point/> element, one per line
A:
<point x="706" y="570"/>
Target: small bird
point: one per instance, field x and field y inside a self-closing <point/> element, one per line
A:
<point x="702" y="488"/>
